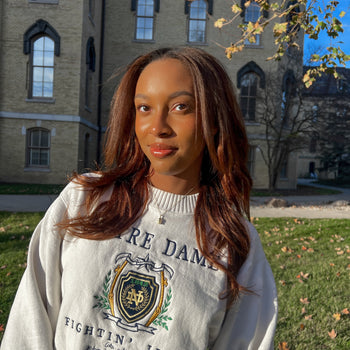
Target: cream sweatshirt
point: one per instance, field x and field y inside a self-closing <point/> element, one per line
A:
<point x="150" y="289"/>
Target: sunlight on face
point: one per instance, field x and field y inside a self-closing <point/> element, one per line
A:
<point x="166" y="125"/>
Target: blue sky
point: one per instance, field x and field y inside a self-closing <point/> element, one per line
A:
<point x="324" y="41"/>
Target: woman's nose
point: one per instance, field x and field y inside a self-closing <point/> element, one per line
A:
<point x="160" y="123"/>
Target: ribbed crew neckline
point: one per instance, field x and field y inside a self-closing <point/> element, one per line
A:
<point x="171" y="202"/>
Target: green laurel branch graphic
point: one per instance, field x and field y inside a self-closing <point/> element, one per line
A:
<point x="162" y="318"/>
<point x="102" y="299"/>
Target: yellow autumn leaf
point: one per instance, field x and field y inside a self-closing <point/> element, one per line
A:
<point x="247" y="3"/>
<point x="280" y="28"/>
<point x="283" y="346"/>
<point x="332" y="334"/>
<point x="236" y="9"/>
<point x="219" y="23"/>
<point x="337" y="316"/>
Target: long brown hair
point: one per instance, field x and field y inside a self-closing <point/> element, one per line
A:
<point x="225" y="184"/>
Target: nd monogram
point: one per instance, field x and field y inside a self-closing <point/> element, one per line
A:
<point x="136" y="299"/>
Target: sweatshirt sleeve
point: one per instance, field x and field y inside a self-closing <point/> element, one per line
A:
<point x="34" y="313"/>
<point x="251" y="322"/>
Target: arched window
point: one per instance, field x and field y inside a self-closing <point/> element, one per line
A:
<point x="144" y="19"/>
<point x="249" y="78"/>
<point x="38" y="148"/>
<point x="42" y="42"/>
<point x="197" y="21"/>
<point x="252" y="14"/>
<point x="42" y="71"/>
<point x="249" y="87"/>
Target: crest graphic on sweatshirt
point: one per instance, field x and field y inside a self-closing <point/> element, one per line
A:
<point x="136" y="295"/>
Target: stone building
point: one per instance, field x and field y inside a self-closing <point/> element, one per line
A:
<point x="61" y="60"/>
<point x="327" y="102"/>
<point x="49" y="59"/>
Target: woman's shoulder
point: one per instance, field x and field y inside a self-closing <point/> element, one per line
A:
<point x="256" y="251"/>
<point x="75" y="194"/>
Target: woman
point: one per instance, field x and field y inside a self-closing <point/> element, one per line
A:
<point x="153" y="252"/>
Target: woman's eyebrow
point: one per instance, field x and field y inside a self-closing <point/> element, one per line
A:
<point x="173" y="95"/>
<point x="181" y="93"/>
<point x="141" y="96"/>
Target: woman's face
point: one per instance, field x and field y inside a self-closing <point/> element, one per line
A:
<point x="166" y="125"/>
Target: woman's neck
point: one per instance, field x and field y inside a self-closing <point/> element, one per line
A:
<point x="175" y="184"/>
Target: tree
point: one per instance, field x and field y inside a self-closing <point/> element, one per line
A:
<point x="287" y="17"/>
<point x="287" y="125"/>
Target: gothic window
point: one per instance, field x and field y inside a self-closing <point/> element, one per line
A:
<point x="42" y="68"/>
<point x="42" y="43"/>
<point x="38" y="148"/>
<point x="249" y="78"/>
<point x="252" y="14"/>
<point x="249" y="87"/>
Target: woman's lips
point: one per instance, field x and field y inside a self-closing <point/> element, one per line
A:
<point x="160" y="150"/>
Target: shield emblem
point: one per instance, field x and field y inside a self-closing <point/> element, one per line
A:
<point x="136" y="295"/>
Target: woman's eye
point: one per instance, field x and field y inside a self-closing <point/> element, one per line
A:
<point x="180" y="107"/>
<point x="143" y="108"/>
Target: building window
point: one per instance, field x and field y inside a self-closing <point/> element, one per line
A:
<point x="249" y="87"/>
<point x="313" y="143"/>
<point x="251" y="160"/>
<point x="144" y="20"/>
<point x="252" y="14"/>
<point x="197" y="21"/>
<point x="248" y="78"/>
<point x="284" y="169"/>
<point x="38" y="148"/>
<point x="42" y="70"/>
<point x="288" y="91"/>
<point x="42" y="42"/>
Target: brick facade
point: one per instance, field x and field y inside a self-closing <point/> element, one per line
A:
<point x="72" y="115"/>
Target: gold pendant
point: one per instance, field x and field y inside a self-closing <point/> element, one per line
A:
<point x="161" y="220"/>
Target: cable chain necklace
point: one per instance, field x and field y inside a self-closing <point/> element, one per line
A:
<point x="161" y="219"/>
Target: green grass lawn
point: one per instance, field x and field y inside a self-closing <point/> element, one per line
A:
<point x="310" y="260"/>
<point x="301" y="190"/>
<point x="9" y="188"/>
